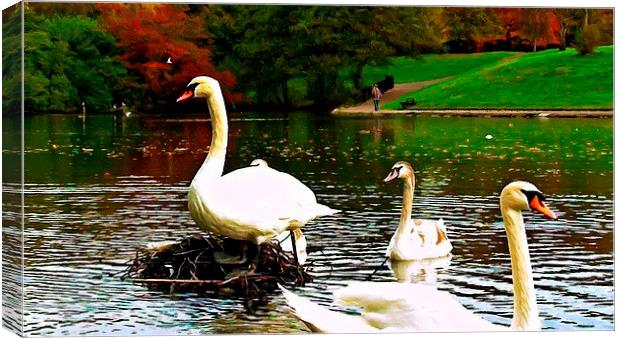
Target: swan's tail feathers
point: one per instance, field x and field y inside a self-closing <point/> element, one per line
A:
<point x="323" y="320"/>
<point x="310" y="313"/>
<point x="323" y="210"/>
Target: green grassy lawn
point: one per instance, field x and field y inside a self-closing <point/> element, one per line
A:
<point x="429" y="67"/>
<point x="548" y="79"/>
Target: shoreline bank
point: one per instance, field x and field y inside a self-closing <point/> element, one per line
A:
<point x="527" y="113"/>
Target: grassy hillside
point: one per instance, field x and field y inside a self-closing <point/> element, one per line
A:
<point x="429" y="67"/>
<point x="548" y="79"/>
<point x="407" y="69"/>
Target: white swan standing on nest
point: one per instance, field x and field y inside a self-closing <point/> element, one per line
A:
<point x="404" y="307"/>
<point x="251" y="204"/>
<point x="415" y="238"/>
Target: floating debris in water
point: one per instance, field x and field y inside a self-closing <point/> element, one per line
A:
<point x="192" y="264"/>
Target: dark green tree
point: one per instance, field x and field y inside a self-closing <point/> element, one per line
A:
<point x="267" y="48"/>
<point x="325" y="46"/>
<point x="337" y="38"/>
<point x="11" y="59"/>
<point x="68" y="60"/>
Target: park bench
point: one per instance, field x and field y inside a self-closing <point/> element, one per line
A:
<point x="408" y="103"/>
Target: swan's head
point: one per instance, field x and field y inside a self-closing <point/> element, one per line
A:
<point x="259" y="163"/>
<point x="200" y="86"/>
<point x="401" y="169"/>
<point x="522" y="195"/>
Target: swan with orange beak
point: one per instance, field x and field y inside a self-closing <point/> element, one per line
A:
<point x="417" y="307"/>
<point x="252" y="204"/>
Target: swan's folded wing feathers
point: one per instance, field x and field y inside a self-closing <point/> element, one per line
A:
<point x="414" y="307"/>
<point x="259" y="193"/>
<point x="371" y="294"/>
<point x="323" y="210"/>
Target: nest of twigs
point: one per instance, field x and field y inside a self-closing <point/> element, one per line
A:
<point x="189" y="264"/>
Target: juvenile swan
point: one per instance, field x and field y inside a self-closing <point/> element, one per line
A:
<point x="404" y="307"/>
<point x="415" y="238"/>
<point x="252" y="204"/>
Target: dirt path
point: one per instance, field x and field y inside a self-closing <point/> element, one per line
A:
<point x="391" y="95"/>
<point x="366" y="108"/>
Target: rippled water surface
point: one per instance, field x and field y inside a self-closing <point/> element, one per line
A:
<point x="97" y="189"/>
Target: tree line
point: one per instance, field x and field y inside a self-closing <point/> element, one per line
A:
<point x="109" y="54"/>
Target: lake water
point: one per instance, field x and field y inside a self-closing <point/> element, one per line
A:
<point x="96" y="189"/>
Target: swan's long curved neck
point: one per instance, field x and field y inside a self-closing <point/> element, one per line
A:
<point x="525" y="307"/>
<point x="213" y="166"/>
<point x="405" y="226"/>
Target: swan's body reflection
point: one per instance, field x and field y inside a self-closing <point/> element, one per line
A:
<point x="420" y="270"/>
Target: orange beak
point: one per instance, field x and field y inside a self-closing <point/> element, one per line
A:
<point x="539" y="206"/>
<point x="186" y="95"/>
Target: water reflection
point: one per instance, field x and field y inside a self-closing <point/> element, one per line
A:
<point x="422" y="270"/>
<point x="97" y="190"/>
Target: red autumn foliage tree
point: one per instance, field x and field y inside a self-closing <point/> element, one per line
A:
<point x="532" y="23"/>
<point x="149" y="34"/>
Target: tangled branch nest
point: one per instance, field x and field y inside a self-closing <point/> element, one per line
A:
<point x="189" y="264"/>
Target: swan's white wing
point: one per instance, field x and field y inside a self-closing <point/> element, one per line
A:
<point x="426" y="239"/>
<point x="431" y="232"/>
<point x="261" y="194"/>
<point x="404" y="307"/>
<point x="321" y="319"/>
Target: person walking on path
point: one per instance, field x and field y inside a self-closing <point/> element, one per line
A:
<point x="376" y="95"/>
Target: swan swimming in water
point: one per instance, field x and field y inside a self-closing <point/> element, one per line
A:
<point x="252" y="204"/>
<point x="405" y="307"/>
<point x="415" y="238"/>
